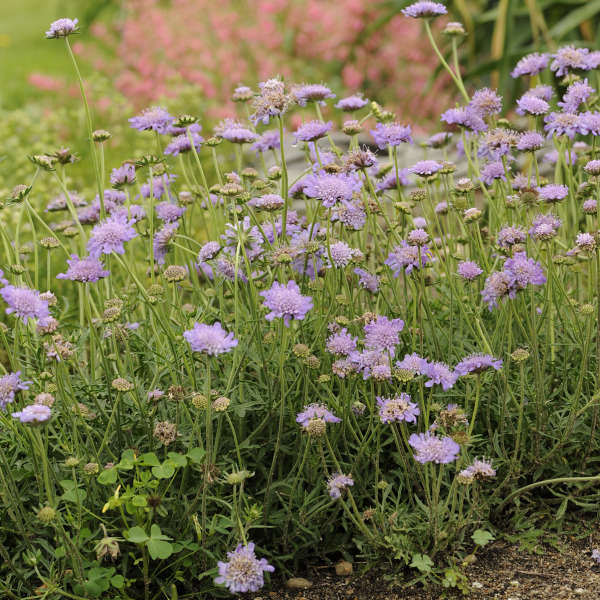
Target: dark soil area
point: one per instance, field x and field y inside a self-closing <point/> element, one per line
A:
<point x="501" y="570"/>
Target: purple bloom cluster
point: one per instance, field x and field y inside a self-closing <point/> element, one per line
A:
<point x="367" y="280"/>
<point x="382" y="333"/>
<point x="477" y="363"/>
<point x="469" y="270"/>
<point x="286" y="302"/>
<point x="85" y="270"/>
<point x="155" y="118"/>
<point x="426" y="168"/>
<point x="210" y="339"/>
<point x="511" y="235"/>
<point x="25" y="303"/>
<point x="10" y="384"/>
<point x="396" y="409"/>
<point x="391" y="134"/>
<point x="337" y="483"/>
<point x="34" y="414"/>
<point x="316" y="412"/>
<point x="243" y="572"/>
<point x="332" y="188"/>
<point x="312" y="131"/>
<point x="311" y="92"/>
<point x="62" y="28"/>
<point x="424" y="9"/>
<point x="532" y="64"/>
<point x="110" y="235"/>
<point x="406" y="257"/>
<point x="352" y="103"/>
<point x="432" y="448"/>
<point x="341" y="343"/>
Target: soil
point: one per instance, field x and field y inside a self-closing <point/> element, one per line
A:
<point x="501" y="571"/>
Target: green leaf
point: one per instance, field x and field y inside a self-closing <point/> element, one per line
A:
<point x="108" y="476"/>
<point x="136" y="535"/>
<point x="164" y="471"/>
<point x="139" y="501"/>
<point x="482" y="537"/>
<point x="196" y="455"/>
<point x="60" y="552"/>
<point x="118" y="581"/>
<point x="149" y="460"/>
<point x="178" y="459"/>
<point x="421" y="562"/>
<point x="159" y="549"/>
<point x="156" y="533"/>
<point x="75" y="495"/>
<point x="574" y="18"/>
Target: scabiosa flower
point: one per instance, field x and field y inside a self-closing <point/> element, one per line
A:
<point x="596" y="555"/>
<point x="314" y="412"/>
<point x="337" y="483"/>
<point x="210" y="339"/>
<point x="267" y="202"/>
<point x="407" y="257"/>
<point x="528" y="104"/>
<point x="477" y="363"/>
<point x="155" y="118"/>
<point x="181" y="143"/>
<point x="531" y="64"/>
<point x="553" y="192"/>
<point x="465" y="117"/>
<point x="511" y="235"/>
<point x="577" y="93"/>
<point x="523" y="271"/>
<point x="417" y="237"/>
<point x="569" y="58"/>
<point x="530" y="141"/>
<point x="493" y="171"/>
<point x="84" y="270"/>
<point x="478" y="469"/>
<point x="544" y="227"/>
<point x="367" y="280"/>
<point x="560" y="123"/>
<point x="155" y="394"/>
<point x="332" y="188"/>
<point x="419" y="223"/>
<point x="25" y="303"/>
<point x="439" y="373"/>
<point x="545" y="92"/>
<point x="396" y="409"/>
<point x="352" y="103"/>
<point x="424" y="9"/>
<point x="441" y="208"/>
<point x="391" y="134"/>
<point x="243" y="572"/>
<point x="110" y="235"/>
<point x="390" y="182"/>
<point x="162" y="238"/>
<point x="590" y="206"/>
<point x="486" y="102"/>
<point x="341" y="343"/>
<point x="271" y="102"/>
<point x="62" y="28"/>
<point x="123" y="175"/>
<point x="169" y="212"/>
<point x="412" y="362"/>
<point x="227" y="269"/>
<point x="592" y="167"/>
<point x="469" y="270"/>
<point x="372" y="363"/>
<point x="431" y="448"/>
<point x="311" y="92"/>
<point x="585" y="241"/>
<point x="269" y="140"/>
<point x="10" y="384"/>
<point x="235" y="132"/>
<point x="589" y="123"/>
<point x="286" y="302"/>
<point x="312" y="131"/>
<point x="342" y="254"/>
<point x="439" y="140"/>
<point x="382" y="333"/>
<point x="426" y="168"/>
<point x="34" y="414"/>
<point x="351" y="214"/>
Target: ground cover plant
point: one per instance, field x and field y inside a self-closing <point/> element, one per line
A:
<point x="222" y="366"/>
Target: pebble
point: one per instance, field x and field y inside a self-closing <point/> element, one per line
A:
<point x="343" y="568"/>
<point x="298" y="583"/>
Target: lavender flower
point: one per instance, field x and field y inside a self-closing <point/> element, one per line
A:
<point x="589" y="123"/>
<point x="390" y="182"/>
<point x="469" y="270"/>
<point x="396" y="409"/>
<point x="62" y="28"/>
<point x="528" y="104"/>
<point x="25" y="303"/>
<point x="486" y="102"/>
<point x="34" y="414"/>
<point x="592" y="167"/>
<point x="352" y="103"/>
<point x="337" y="483"/>
<point x="478" y="469"/>
<point x="235" y="132"/>
<point x="342" y="255"/>
<point x="464" y="117"/>
<point x="10" y="384"/>
<point x="316" y="412"/>
<point x="341" y="343"/>
<point x="417" y="237"/>
<point x="286" y="302"/>
<point x="382" y="333"/>
<point x="569" y="58"/>
<point x="412" y="362"/>
<point x="372" y="363"/>
<point x="312" y="131"/>
<point x="426" y="168"/>
<point x="424" y="9"/>
<point x="351" y="214"/>
<point x="431" y="448"/>
<point x="162" y="238"/>
<point x="524" y="271"/>
<point x="272" y="101"/>
<point x="110" y="235"/>
<point x="497" y="286"/>
<point x="391" y="134"/>
<point x="492" y="172"/>
<point x="367" y="280"/>
<point x="590" y="206"/>
<point x="563" y="124"/>
<point x="585" y="241"/>
<point x="553" y="192"/>
<point x="530" y="141"/>
<point x="408" y="258"/>
<point x="169" y="212"/>
<point x="439" y="373"/>
<point x="210" y="339"/>
<point x="531" y="64"/>
<point x="577" y="93"/>
<point x="439" y="140"/>
<point x="269" y="140"/>
<point x="84" y="270"/>
<point x="155" y="118"/>
<point x="332" y="188"/>
<point x="477" y="363"/>
<point x="311" y="92"/>
<point x="181" y="144"/>
<point x="545" y="92"/>
<point x="511" y="235"/>
<point x="243" y="572"/>
<point x="123" y="175"/>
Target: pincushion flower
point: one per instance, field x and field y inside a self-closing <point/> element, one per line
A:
<point x="312" y="131"/>
<point x="553" y="192"/>
<point x="155" y="118"/>
<point x="486" y="102"/>
<point x="426" y="168"/>
<point x="124" y="175"/>
<point x="316" y="412"/>
<point x="558" y="123"/>
<point x="530" y="141"/>
<point x="524" y="271"/>
<point x="210" y="339"/>
<point x="577" y="93"/>
<point x="272" y="101"/>
<point x="235" y="132"/>
<point x="341" y="343"/>
<point x="532" y="64"/>
<point x="25" y="303"/>
<point x="469" y="270"/>
<point x="269" y="140"/>
<point x="110" y="235"/>
<point x="85" y="270"/>
<point x="169" y="212"/>
<point x="337" y="483"/>
<point x="34" y="414"/>
<point x="478" y="469"/>
<point x="382" y="333"/>
<point x="10" y="384"/>
<point x="182" y="143"/>
<point x="311" y="92"/>
<point x="432" y="448"/>
<point x="477" y="363"/>
<point x="286" y="302"/>
<point x="464" y="117"/>
<point x="406" y="257"/>
<point x="440" y="374"/>
<point x="162" y="238"/>
<point x="367" y="280"/>
<point x="391" y="134"/>
<point x="397" y="409"/>
<point x="391" y="182"/>
<point x="243" y="572"/>
<point x="424" y="9"/>
<point x="332" y="188"/>
<point x="569" y="58"/>
<point x="589" y="123"/>
<point x="493" y="171"/>
<point x="412" y="362"/>
<point x="528" y="104"/>
<point x="62" y="28"/>
<point x="352" y="103"/>
<point x="510" y="235"/>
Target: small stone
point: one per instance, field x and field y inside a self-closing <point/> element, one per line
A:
<point x="514" y="583"/>
<point x="477" y="585"/>
<point x="579" y="591"/>
<point x="343" y="568"/>
<point x="298" y="583"/>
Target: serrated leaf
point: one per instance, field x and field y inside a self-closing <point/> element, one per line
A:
<point x="482" y="537"/>
<point x="422" y="562"/>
